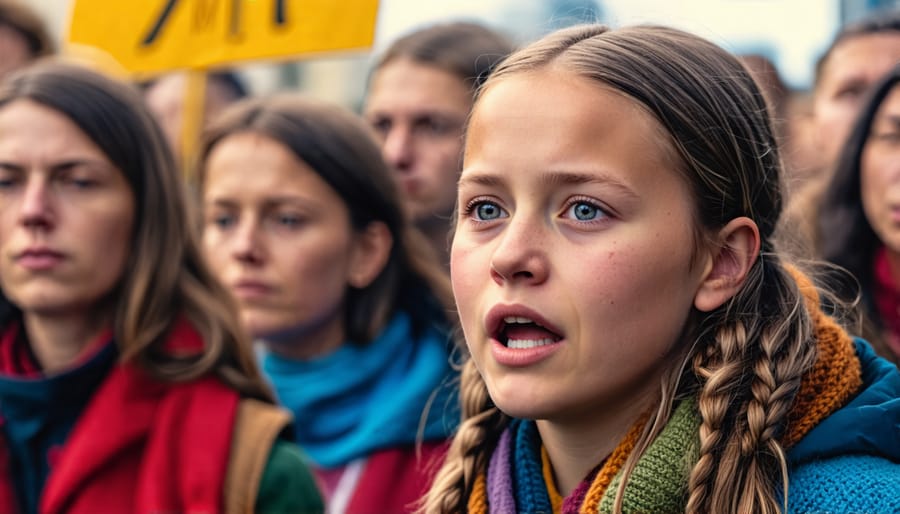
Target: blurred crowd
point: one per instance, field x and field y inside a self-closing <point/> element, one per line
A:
<point x="268" y="323"/>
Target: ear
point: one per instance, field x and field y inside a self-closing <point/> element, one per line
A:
<point x="370" y="254"/>
<point x="730" y="262"/>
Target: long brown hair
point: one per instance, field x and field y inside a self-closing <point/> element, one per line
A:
<point x="466" y="50"/>
<point x="165" y="276"/>
<point x="851" y="243"/>
<point x="340" y="147"/>
<point x="743" y="361"/>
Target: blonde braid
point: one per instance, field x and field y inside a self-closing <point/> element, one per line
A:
<point x="715" y="368"/>
<point x="750" y="375"/>
<point x="467" y="456"/>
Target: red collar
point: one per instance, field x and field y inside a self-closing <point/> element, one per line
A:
<point x="17" y="359"/>
<point x="887" y="299"/>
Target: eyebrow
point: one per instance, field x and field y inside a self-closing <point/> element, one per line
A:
<point x="553" y="178"/>
<point x="267" y="201"/>
<point x="65" y="164"/>
<point x="11" y="166"/>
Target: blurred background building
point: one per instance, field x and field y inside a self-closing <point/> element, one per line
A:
<point x="789" y="33"/>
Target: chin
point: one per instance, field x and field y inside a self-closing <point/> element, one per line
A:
<point x="524" y="402"/>
<point x="44" y="304"/>
<point x="260" y="328"/>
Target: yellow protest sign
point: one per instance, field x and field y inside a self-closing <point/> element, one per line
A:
<point x="148" y="36"/>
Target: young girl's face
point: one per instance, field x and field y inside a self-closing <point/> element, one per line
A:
<point x="66" y="214"/>
<point x="572" y="259"/>
<point x="279" y="237"/>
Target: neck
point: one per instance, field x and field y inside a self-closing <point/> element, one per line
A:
<point x="58" y="341"/>
<point x="893" y="258"/>
<point x="307" y="343"/>
<point x="576" y="446"/>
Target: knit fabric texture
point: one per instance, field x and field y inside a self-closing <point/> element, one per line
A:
<point x="530" y="491"/>
<point x="556" y="499"/>
<point x="613" y="465"/>
<point x="658" y="480"/>
<point x="824" y="486"/>
<point x="364" y="398"/>
<point x="835" y="377"/>
<point x="658" y="483"/>
<point x="500" y="486"/>
<point x="571" y="504"/>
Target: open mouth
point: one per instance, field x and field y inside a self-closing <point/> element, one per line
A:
<point x="518" y="332"/>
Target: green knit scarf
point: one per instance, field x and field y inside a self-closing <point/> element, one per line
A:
<point x="658" y="483"/>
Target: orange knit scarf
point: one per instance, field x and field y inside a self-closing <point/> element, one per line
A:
<point x="825" y="388"/>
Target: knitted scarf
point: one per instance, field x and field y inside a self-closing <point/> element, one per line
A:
<point x="363" y="398"/>
<point x="515" y="482"/>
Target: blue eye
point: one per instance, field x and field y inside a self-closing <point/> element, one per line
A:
<point x="382" y="125"/>
<point x="487" y="211"/>
<point x="82" y="183"/>
<point x="223" y="221"/>
<point x="288" y="221"/>
<point x="584" y="211"/>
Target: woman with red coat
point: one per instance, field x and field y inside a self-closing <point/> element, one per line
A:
<point x="126" y="384"/>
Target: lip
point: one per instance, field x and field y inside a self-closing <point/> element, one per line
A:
<point x="894" y="211"/>
<point x="494" y="318"/>
<point x="39" y="258"/>
<point x="519" y="357"/>
<point x="251" y="289"/>
<point x="409" y="185"/>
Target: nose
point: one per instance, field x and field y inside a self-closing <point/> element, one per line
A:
<point x="37" y="210"/>
<point x="398" y="148"/>
<point x="520" y="257"/>
<point x="247" y="246"/>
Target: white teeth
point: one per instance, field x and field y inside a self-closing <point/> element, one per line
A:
<point x="517" y="319"/>
<point x="528" y="343"/>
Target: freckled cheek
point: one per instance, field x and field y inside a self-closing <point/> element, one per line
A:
<point x="469" y="274"/>
<point x="609" y="276"/>
<point x="624" y="276"/>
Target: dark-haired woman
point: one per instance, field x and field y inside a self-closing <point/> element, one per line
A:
<point x="859" y="216"/>
<point x="126" y="384"/>
<point x="303" y="224"/>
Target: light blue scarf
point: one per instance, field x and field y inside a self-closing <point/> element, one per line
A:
<point x="363" y="398"/>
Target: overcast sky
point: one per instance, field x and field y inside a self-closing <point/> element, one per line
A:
<point x="792" y="32"/>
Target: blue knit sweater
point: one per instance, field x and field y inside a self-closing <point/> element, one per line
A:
<point x="851" y="461"/>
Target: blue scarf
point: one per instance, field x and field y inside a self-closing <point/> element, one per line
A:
<point x="39" y="411"/>
<point x="363" y="398"/>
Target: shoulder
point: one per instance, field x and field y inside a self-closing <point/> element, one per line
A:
<point x="395" y="479"/>
<point x="287" y="484"/>
<point x="858" y="483"/>
<point x="407" y="463"/>
<point x="266" y="474"/>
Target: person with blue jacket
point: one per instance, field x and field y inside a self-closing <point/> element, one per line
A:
<point x="636" y="341"/>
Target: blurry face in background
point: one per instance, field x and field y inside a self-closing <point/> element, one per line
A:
<point x="66" y="214"/>
<point x="166" y="100"/>
<point x="14" y="51"/>
<point x="279" y="237"/>
<point x="847" y="76"/>
<point x="419" y="111"/>
<point x="880" y="173"/>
